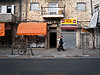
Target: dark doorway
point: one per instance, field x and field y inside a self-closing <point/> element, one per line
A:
<point x="8" y="34"/>
<point x="7" y="39"/>
<point x="53" y="40"/>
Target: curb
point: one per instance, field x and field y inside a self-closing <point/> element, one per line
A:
<point x="59" y="56"/>
<point x="12" y="56"/>
<point x="48" y="56"/>
<point x="4" y="56"/>
<point x="94" y="55"/>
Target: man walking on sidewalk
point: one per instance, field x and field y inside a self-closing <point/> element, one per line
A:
<point x="61" y="44"/>
<point x="58" y="43"/>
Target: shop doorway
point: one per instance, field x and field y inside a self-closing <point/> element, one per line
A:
<point x="7" y="39"/>
<point x="53" y="40"/>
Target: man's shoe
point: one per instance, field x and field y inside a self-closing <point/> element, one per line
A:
<point x="63" y="50"/>
<point x="58" y="49"/>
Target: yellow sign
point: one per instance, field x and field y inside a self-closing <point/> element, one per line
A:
<point x="68" y="21"/>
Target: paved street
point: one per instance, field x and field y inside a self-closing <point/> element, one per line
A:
<point x="49" y="66"/>
<point x="74" y="52"/>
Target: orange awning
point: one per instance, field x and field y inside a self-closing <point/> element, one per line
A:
<point x="2" y="29"/>
<point x="32" y="29"/>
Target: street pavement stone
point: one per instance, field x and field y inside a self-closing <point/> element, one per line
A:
<point x="53" y="52"/>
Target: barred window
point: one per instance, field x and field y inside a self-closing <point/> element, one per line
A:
<point x="81" y="7"/>
<point x="34" y="6"/>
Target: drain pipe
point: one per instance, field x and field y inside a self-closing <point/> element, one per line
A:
<point x="93" y="28"/>
<point x="26" y="12"/>
<point x="91" y="8"/>
<point x="26" y="37"/>
<point x="20" y="4"/>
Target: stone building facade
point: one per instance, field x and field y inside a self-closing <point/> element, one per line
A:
<point x="41" y="15"/>
<point x="51" y="12"/>
<point x="9" y="19"/>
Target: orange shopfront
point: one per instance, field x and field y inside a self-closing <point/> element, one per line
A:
<point x="2" y="29"/>
<point x="6" y="34"/>
<point x="34" y="33"/>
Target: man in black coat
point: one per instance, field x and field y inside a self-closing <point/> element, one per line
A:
<point x="61" y="44"/>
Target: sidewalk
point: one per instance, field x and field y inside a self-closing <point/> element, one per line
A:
<point x="40" y="52"/>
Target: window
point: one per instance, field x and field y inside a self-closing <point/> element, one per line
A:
<point x="34" y="6"/>
<point x="7" y="9"/>
<point x="3" y="9"/>
<point x="80" y="6"/>
<point x="53" y="8"/>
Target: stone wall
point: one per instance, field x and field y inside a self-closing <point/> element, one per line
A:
<point x="16" y="4"/>
<point x="70" y="9"/>
<point x="12" y="2"/>
<point x="33" y="16"/>
<point x="36" y="15"/>
<point x="70" y="12"/>
<point x="83" y="17"/>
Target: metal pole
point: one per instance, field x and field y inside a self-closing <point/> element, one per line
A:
<point x="80" y="39"/>
<point x="64" y="10"/>
<point x="12" y="50"/>
<point x="99" y="50"/>
<point x="91" y="8"/>
<point x="36" y="41"/>
<point x="83" y="50"/>
<point x="31" y="51"/>
<point x="93" y="39"/>
<point x="79" y="27"/>
<point x="42" y="10"/>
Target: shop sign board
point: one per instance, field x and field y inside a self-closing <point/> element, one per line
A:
<point x="69" y="21"/>
<point x="2" y="29"/>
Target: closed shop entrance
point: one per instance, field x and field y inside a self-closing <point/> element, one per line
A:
<point x="69" y="35"/>
<point x="69" y="39"/>
<point x="53" y="40"/>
